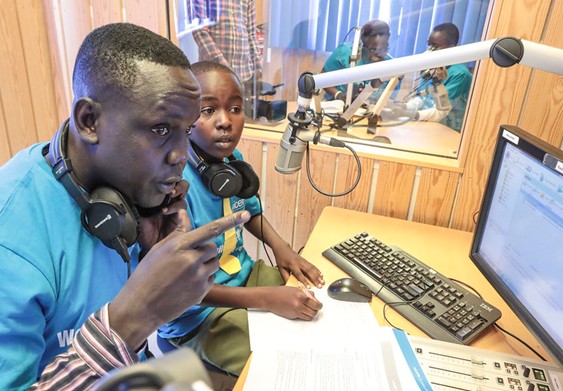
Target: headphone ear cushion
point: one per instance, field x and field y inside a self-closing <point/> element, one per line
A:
<point x="222" y="180"/>
<point x="111" y="216"/>
<point x="250" y="180"/>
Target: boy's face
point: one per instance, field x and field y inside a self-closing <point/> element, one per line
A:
<point x="219" y="127"/>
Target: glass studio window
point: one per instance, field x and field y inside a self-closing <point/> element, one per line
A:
<point x="295" y="36"/>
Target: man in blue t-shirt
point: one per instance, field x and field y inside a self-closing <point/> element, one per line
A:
<point x="73" y="210"/>
<point x="374" y="47"/>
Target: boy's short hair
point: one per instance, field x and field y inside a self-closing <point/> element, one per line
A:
<point x="450" y="30"/>
<point x="201" y="67"/>
<point x="107" y="59"/>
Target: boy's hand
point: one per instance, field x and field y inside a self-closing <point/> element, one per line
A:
<point x="289" y="262"/>
<point x="292" y="302"/>
<point x="173" y="276"/>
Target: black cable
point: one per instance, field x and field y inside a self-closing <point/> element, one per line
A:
<point x="262" y="230"/>
<point x="520" y="340"/>
<point x="497" y="325"/>
<point x="359" y="164"/>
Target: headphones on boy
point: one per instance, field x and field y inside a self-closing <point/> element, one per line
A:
<point x="225" y="179"/>
<point x="106" y="214"/>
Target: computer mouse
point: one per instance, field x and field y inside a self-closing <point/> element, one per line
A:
<point x="349" y="289"/>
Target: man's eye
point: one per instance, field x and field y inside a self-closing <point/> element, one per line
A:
<point x="236" y="109"/>
<point x="161" y="130"/>
<point x="207" y="111"/>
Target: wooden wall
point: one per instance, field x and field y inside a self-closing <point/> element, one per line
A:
<point x="41" y="37"/>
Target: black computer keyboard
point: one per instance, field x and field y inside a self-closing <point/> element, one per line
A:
<point x="440" y="307"/>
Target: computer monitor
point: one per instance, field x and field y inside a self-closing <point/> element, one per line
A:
<point x="518" y="242"/>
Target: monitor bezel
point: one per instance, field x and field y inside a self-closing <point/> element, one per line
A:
<point x="538" y="149"/>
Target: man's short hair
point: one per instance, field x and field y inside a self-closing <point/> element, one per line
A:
<point x="375" y="27"/>
<point x="107" y="59"/>
<point x="450" y="30"/>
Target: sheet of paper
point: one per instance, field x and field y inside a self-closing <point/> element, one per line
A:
<point x="339" y="324"/>
<point x="315" y="371"/>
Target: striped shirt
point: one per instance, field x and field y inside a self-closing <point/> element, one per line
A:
<point x="95" y="351"/>
<point x="232" y="39"/>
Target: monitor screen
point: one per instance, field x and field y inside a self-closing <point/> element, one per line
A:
<point x="518" y="242"/>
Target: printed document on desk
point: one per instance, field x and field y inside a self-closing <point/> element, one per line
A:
<point x="342" y="349"/>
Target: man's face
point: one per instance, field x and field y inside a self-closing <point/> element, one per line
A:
<point x="219" y="127"/>
<point x="142" y="138"/>
<point x="375" y="47"/>
<point x="438" y="40"/>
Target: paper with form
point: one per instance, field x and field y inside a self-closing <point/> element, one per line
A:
<point x="342" y="349"/>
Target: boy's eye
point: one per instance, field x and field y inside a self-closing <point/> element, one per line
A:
<point x="207" y="111"/>
<point x="236" y="109"/>
<point x="160" y="130"/>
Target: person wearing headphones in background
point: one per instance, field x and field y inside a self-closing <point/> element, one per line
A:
<point x="374" y="47"/>
<point x="222" y="182"/>
<point x="108" y="188"/>
<point x="443" y="92"/>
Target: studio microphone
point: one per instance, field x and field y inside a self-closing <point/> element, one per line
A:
<point x="428" y="73"/>
<point x="293" y="145"/>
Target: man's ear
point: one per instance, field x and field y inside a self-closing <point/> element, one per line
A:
<point x="86" y="112"/>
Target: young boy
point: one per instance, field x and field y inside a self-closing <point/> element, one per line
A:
<point x="218" y="329"/>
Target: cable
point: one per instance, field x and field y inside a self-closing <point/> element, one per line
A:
<point x="520" y="340"/>
<point x="359" y="164"/>
<point x="262" y="230"/>
<point x="500" y="327"/>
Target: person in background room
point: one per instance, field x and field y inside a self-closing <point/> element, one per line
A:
<point x="218" y="328"/>
<point x="432" y="102"/>
<point x="72" y="309"/>
<point x="374" y="47"/>
<point x="232" y="39"/>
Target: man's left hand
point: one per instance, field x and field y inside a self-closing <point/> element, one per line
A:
<point x="155" y="228"/>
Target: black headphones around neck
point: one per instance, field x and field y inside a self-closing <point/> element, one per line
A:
<point x="225" y="179"/>
<point x="106" y="214"/>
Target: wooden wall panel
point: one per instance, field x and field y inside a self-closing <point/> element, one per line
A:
<point x="310" y="202"/>
<point x="393" y="189"/>
<point x="280" y="198"/>
<point x="546" y="89"/>
<point x="500" y="97"/>
<point x="15" y="91"/>
<point x="435" y="197"/>
<point x="145" y="13"/>
<point x="357" y="199"/>
<point x="106" y="11"/>
<point x="38" y="67"/>
<point x="75" y="21"/>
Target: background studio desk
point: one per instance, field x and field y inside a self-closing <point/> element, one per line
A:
<point x="444" y="249"/>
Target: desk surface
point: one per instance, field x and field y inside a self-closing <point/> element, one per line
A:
<point x="444" y="249"/>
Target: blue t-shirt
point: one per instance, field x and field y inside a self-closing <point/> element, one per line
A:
<point x="340" y="59"/>
<point x="204" y="207"/>
<point x="53" y="274"/>
<point x="458" y="84"/>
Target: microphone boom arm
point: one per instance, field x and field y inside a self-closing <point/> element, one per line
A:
<point x="505" y="52"/>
